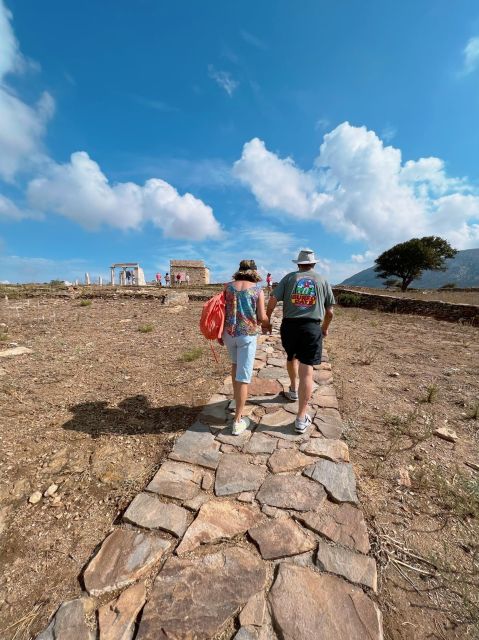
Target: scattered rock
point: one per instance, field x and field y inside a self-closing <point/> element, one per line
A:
<point x="291" y="492"/>
<point x="197" y="446"/>
<point x="207" y="482"/>
<point x="446" y="434"/>
<point x="52" y="489"/>
<point x="260" y="443"/>
<point x="336" y="477"/>
<point x="335" y="450"/>
<point x="117" y="619"/>
<point x="472" y="465"/>
<point x="212" y="588"/>
<point x="68" y="623"/>
<point x="288" y="460"/>
<point x="355" y="567"/>
<point x="272" y="512"/>
<point x="148" y="512"/>
<point x="341" y="523"/>
<point x="15" y="351"/>
<point x="35" y="497"/>
<point x="404" y="480"/>
<point x="280" y="538"/>
<point x="395" y="374"/>
<point x="236" y="475"/>
<point x="330" y="607"/>
<point x="3" y="372"/>
<point x="124" y="556"/>
<point x="254" y="611"/>
<point x="217" y="520"/>
<point x="247" y="496"/>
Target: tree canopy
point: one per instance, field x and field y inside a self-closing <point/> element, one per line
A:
<point x="408" y="260"/>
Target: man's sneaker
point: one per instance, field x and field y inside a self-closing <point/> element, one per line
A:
<point x="240" y="425"/>
<point x="291" y="395"/>
<point x="300" y="426"/>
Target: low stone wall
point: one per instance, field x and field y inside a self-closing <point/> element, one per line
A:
<point x="441" y="310"/>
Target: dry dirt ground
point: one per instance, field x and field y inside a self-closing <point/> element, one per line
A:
<point x="95" y="407"/>
<point x="399" y="378"/>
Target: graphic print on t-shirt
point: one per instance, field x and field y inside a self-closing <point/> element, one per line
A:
<point x="304" y="293"/>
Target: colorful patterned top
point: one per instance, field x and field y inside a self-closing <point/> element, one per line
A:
<point x="241" y="310"/>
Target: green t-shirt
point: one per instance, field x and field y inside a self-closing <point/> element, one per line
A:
<point x="305" y="294"/>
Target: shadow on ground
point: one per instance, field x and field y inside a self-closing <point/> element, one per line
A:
<point x="132" y="416"/>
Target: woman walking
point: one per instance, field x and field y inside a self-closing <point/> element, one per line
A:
<point x="244" y="310"/>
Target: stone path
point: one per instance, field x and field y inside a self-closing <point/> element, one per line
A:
<point x="255" y="537"/>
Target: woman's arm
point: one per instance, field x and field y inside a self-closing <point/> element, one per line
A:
<point x="260" y="310"/>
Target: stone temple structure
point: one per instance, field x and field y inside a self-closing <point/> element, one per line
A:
<point x="133" y="267"/>
<point x="199" y="274"/>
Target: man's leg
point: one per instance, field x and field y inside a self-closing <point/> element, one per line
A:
<point x="292" y="367"/>
<point x="305" y="388"/>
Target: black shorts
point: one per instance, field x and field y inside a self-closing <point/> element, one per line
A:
<point x="302" y="338"/>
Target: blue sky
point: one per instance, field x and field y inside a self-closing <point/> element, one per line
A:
<point x="224" y="130"/>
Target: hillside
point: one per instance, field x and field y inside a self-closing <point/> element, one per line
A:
<point x="463" y="270"/>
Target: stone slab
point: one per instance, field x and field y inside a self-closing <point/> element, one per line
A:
<point x="235" y="475"/>
<point x="263" y="387"/>
<point x="279" y="418"/>
<point x="280" y="538"/>
<point x="276" y="362"/>
<point x="336" y="477"/>
<point x="117" y="619"/>
<point x="194" y="597"/>
<point x="291" y="492"/>
<point x="148" y="512"/>
<point x="260" y="443"/>
<point x="330" y="607"/>
<point x="197" y="446"/>
<point x="325" y="402"/>
<point x="253" y="613"/>
<point x="227" y="437"/>
<point x="353" y="566"/>
<point x="176" y="480"/>
<point x="214" y="412"/>
<point x="218" y="520"/>
<point x="335" y="450"/>
<point x="68" y="623"/>
<point x="124" y="556"/>
<point x="288" y="460"/>
<point x="15" y="351"/>
<point x="341" y="523"/>
<point x="272" y="373"/>
<point x="328" y="428"/>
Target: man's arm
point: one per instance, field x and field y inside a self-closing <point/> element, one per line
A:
<point x="328" y="316"/>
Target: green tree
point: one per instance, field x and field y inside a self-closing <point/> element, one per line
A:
<point x="408" y="260"/>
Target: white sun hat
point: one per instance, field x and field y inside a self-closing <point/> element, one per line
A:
<point x="306" y="256"/>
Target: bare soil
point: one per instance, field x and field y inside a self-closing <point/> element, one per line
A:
<point x="399" y="378"/>
<point x="94" y="409"/>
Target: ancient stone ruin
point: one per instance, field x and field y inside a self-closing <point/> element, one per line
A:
<point x="138" y="277"/>
<point x="195" y="269"/>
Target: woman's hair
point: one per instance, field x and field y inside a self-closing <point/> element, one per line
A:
<point x="247" y="271"/>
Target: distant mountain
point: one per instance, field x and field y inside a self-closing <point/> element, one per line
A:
<point x="463" y="270"/>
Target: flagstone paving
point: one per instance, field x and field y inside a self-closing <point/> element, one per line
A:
<point x="257" y="536"/>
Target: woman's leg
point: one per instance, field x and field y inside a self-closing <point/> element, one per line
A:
<point x="246" y="351"/>
<point x="241" y="395"/>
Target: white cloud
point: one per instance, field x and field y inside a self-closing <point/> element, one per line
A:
<point x="79" y="190"/>
<point x="359" y="188"/>
<point x="224" y="79"/>
<point x="322" y="124"/>
<point x="388" y="133"/>
<point x="21" y="126"/>
<point x="471" y="55"/>
<point x="9" y="211"/>
<point x="253" y="40"/>
<point x="361" y="258"/>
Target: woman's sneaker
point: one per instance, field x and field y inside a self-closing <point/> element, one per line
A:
<point x="240" y="425"/>
<point x="300" y="426"/>
<point x="291" y="395"/>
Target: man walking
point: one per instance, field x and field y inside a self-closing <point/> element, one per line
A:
<point x="307" y="313"/>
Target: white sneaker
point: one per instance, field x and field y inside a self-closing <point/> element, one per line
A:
<point x="291" y="395"/>
<point x="300" y="426"/>
<point x="240" y="425"/>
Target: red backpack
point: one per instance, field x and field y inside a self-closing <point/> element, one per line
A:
<point x="212" y="319"/>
